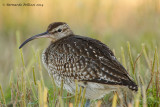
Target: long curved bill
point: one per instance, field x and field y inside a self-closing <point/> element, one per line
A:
<point x="42" y="35"/>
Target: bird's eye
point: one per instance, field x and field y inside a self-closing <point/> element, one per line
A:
<point x="59" y="30"/>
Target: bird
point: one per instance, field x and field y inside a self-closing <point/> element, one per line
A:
<point x="70" y="57"/>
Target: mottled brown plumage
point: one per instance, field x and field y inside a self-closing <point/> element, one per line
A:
<point x="70" y="57"/>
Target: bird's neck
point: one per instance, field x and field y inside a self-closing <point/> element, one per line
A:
<point x="57" y="40"/>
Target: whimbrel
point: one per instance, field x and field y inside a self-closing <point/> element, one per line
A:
<point x="71" y="57"/>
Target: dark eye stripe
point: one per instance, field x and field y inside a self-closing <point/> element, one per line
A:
<point x="65" y="29"/>
<point x="57" y="31"/>
<point x="53" y="32"/>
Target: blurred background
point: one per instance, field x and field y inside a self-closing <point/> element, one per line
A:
<point x="113" y="22"/>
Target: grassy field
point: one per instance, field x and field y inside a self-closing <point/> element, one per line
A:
<point x="129" y="28"/>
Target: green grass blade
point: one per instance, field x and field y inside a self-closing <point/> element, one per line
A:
<point x="79" y="95"/>
<point x="61" y="101"/>
<point x="130" y="57"/>
<point x="76" y="94"/>
<point x="152" y="71"/>
<point x="40" y="67"/>
<point x="145" y="55"/>
<point x="40" y="94"/>
<point x="123" y="58"/>
<point x="83" y="97"/>
<point x="137" y="98"/>
<point x="114" y="101"/>
<point x="3" y="98"/>
<point x="34" y="77"/>
<point x="61" y="90"/>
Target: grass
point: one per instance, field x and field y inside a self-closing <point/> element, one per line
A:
<point x="27" y="86"/>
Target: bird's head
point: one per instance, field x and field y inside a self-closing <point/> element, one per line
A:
<point x="55" y="31"/>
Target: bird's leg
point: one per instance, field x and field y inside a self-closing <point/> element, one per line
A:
<point x="87" y="103"/>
